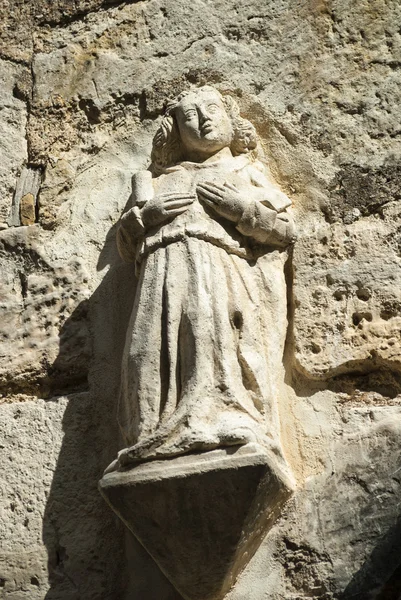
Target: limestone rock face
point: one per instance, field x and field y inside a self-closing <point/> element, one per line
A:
<point x="61" y="515"/>
<point x="45" y="317"/>
<point x="353" y="274"/>
<point x="83" y="88"/>
<point x="13" y="118"/>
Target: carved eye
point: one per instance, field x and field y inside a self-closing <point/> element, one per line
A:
<point x="190" y="114"/>
<point x="213" y="108"/>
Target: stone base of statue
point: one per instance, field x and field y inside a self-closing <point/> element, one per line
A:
<point x="201" y="516"/>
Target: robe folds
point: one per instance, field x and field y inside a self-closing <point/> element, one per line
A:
<point x="204" y="345"/>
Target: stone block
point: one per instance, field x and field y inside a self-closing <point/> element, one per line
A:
<point x="201" y="517"/>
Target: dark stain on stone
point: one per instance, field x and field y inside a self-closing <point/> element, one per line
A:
<point x="363" y="188"/>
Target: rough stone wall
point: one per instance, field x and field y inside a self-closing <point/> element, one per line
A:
<point x="83" y="87"/>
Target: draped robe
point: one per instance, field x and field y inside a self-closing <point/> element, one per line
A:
<point x="203" y="353"/>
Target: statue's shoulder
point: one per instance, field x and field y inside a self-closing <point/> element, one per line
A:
<point x="259" y="173"/>
<point x="256" y="166"/>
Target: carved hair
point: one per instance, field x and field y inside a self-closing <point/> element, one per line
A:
<point x="167" y="148"/>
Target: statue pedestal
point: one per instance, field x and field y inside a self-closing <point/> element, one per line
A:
<point x="201" y="516"/>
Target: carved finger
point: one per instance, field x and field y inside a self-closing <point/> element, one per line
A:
<point x="206" y="195"/>
<point x="212" y="187"/>
<point x="177" y="204"/>
<point x="187" y="199"/>
<point x="231" y="186"/>
<point x="176" y="211"/>
<point x="207" y="201"/>
<point x="212" y="193"/>
<point x="175" y="196"/>
<point x="217" y="208"/>
<point x="213" y="184"/>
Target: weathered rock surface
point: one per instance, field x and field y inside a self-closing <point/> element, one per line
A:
<point x="352" y="273"/>
<point x="83" y="87"/>
<point x="13" y="120"/>
<point x="340" y="535"/>
<point x="45" y="322"/>
<point x="55" y="530"/>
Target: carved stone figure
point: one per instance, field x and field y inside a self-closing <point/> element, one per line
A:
<point x="198" y="372"/>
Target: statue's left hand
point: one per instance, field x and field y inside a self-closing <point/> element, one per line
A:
<point x="225" y="199"/>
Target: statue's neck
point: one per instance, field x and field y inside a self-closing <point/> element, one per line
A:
<point x="196" y="157"/>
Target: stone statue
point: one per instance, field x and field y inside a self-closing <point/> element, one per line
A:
<point x="197" y="371"/>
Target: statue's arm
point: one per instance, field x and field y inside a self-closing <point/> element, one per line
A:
<point x="129" y="233"/>
<point x="148" y="211"/>
<point x="131" y="227"/>
<point x="265" y="218"/>
<point x="251" y="210"/>
<point x="266" y="226"/>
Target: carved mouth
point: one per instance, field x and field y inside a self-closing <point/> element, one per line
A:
<point x="207" y="129"/>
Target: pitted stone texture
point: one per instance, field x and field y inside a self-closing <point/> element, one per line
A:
<point x="347" y="296"/>
<point x="48" y="278"/>
<point x="328" y="124"/>
<point x="317" y="91"/>
<point x="43" y="349"/>
<point x="20" y="19"/>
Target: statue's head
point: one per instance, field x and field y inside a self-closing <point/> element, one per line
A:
<point x="201" y="122"/>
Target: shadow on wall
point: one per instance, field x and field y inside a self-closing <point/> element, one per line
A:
<point x="380" y="576"/>
<point x="84" y="540"/>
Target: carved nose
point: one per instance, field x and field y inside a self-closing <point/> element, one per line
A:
<point x="203" y="115"/>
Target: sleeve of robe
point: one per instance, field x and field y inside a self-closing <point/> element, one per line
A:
<point x="266" y="226"/>
<point x="129" y="234"/>
<point x="265" y="219"/>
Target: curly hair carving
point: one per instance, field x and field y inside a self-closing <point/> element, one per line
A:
<point x="167" y="149"/>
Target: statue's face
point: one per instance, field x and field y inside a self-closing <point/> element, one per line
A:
<point x="204" y="125"/>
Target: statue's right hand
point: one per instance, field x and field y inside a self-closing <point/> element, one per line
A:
<point x="165" y="206"/>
